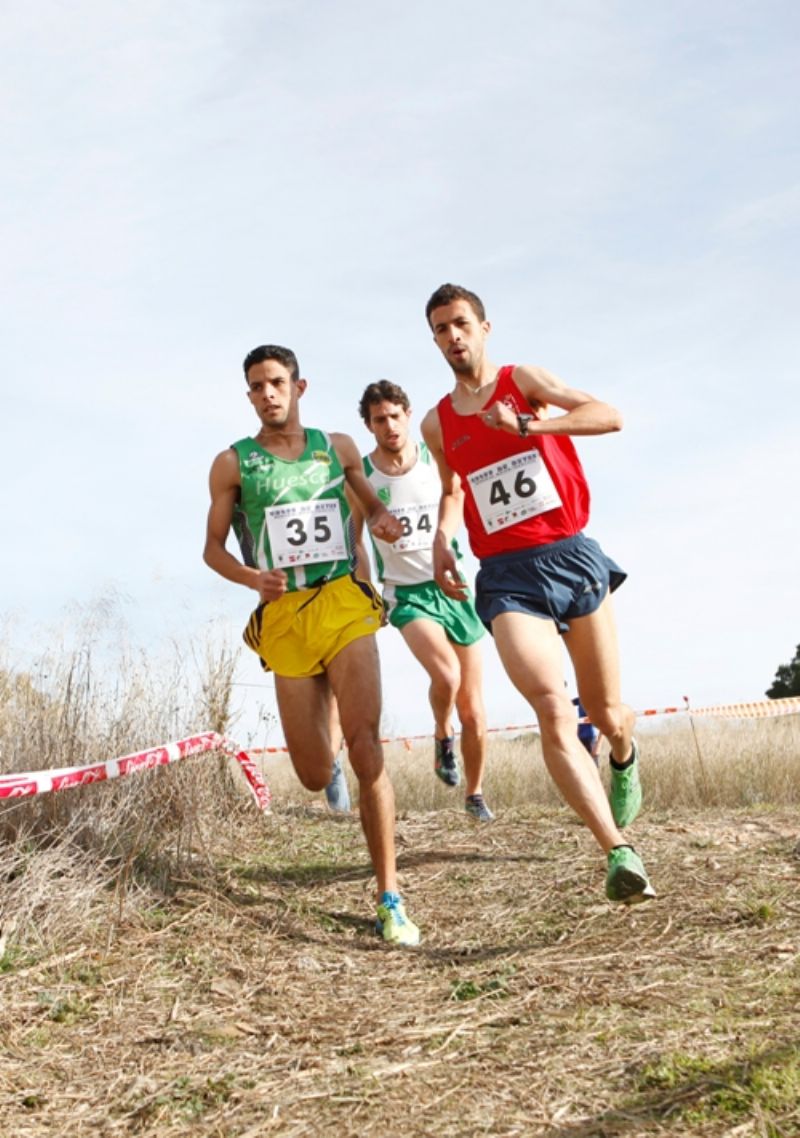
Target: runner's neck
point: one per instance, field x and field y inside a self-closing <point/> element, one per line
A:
<point x="287" y="444"/>
<point x="395" y="464"/>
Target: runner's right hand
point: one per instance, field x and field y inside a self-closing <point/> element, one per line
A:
<point x="272" y="583"/>
<point x="446" y="574"/>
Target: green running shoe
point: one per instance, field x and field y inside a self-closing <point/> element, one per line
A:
<point x="393" y="924"/>
<point x="445" y="763"/>
<point x="627" y="879"/>
<point x="475" y="806"/>
<point x="625" y="795"/>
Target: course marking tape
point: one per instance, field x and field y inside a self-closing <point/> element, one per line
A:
<point x="41" y="782"/>
<point x="764" y="709"/>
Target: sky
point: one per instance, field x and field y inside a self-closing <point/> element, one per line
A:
<point x="619" y="182"/>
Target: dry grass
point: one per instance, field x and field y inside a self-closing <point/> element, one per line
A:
<point x="250" y="998"/>
<point x="92" y="697"/>
<point x="173" y="963"/>
<point x="696" y="763"/>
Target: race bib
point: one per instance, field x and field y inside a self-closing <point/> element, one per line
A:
<point x="301" y="533"/>
<point x="418" y="522"/>
<point x="510" y="491"/>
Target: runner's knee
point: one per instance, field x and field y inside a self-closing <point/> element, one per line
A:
<point x="314" y="777"/>
<point x="609" y="719"/>
<point x="444" y="683"/>
<point x="365" y="753"/>
<point x="555" y="713"/>
<point x="472" y="717"/>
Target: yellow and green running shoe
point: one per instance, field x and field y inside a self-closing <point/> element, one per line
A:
<point x="625" y="795"/>
<point x="627" y="879"/>
<point x="393" y="924"/>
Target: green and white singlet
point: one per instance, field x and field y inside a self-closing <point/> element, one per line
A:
<point x="413" y="498"/>
<point x="293" y="515"/>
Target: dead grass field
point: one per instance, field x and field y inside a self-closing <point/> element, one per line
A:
<point x="249" y="997"/>
<point x="173" y="963"/>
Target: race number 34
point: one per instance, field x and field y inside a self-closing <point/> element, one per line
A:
<point x="417" y="522"/>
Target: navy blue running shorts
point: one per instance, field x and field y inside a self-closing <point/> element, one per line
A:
<point x="557" y="582"/>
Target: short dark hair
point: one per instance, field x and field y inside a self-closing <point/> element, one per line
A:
<point x="382" y="389"/>
<point x="284" y="356"/>
<point x="447" y="293"/>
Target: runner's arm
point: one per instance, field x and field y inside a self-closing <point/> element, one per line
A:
<point x="224" y="484"/>
<point x="380" y="522"/>
<point x="451" y="513"/>
<point x="584" y="415"/>
<point x="363" y="567"/>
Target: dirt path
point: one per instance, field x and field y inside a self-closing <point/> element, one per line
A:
<point x="255" y="1001"/>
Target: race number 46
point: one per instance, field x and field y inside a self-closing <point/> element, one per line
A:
<point x="510" y="491"/>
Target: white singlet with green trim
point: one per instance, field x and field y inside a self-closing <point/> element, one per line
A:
<point x="413" y="498"/>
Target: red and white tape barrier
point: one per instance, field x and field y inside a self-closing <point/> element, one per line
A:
<point x="27" y="784"/>
<point x="765" y="709"/>
<point x="41" y="782"/>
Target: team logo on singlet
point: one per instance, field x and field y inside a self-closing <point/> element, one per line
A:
<point x="384" y="494"/>
<point x="256" y="459"/>
<point x="321" y="456"/>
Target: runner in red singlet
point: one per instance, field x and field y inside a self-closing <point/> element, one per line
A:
<point x="525" y="498"/>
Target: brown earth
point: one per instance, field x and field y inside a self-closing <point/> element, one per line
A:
<point x="253" y="998"/>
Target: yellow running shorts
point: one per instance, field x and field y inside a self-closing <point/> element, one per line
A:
<point x="300" y="633"/>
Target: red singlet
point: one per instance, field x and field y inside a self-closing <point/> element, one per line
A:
<point x="470" y="446"/>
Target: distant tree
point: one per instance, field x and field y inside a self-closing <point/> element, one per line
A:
<point x="787" y="679"/>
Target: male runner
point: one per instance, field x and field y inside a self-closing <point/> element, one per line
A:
<point x="337" y="792"/>
<point x="283" y="490"/>
<point x="587" y="732"/>
<point x="442" y="633"/>
<point x="526" y="501"/>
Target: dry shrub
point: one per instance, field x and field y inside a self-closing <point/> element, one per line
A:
<point x="47" y="897"/>
<point x="698" y="763"/>
<point x="705" y="762"/>
<point x="91" y="697"/>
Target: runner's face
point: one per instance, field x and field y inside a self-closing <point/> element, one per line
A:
<point x="389" y="424"/>
<point x="273" y="393"/>
<point x="460" y="335"/>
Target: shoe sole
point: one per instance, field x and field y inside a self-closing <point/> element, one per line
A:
<point x="447" y="778"/>
<point x="631" y="888"/>
<point x="396" y="943"/>
<point x="479" y="817"/>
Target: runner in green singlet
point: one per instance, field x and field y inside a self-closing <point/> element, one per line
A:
<point x="283" y="491"/>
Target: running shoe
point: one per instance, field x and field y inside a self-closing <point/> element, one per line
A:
<point x="336" y="791"/>
<point x="475" y="805"/>
<point x="627" y="879"/>
<point x="626" y="790"/>
<point x="393" y="924"/>
<point x="445" y="763"/>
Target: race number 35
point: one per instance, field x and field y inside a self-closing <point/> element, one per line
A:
<point x="304" y="532"/>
